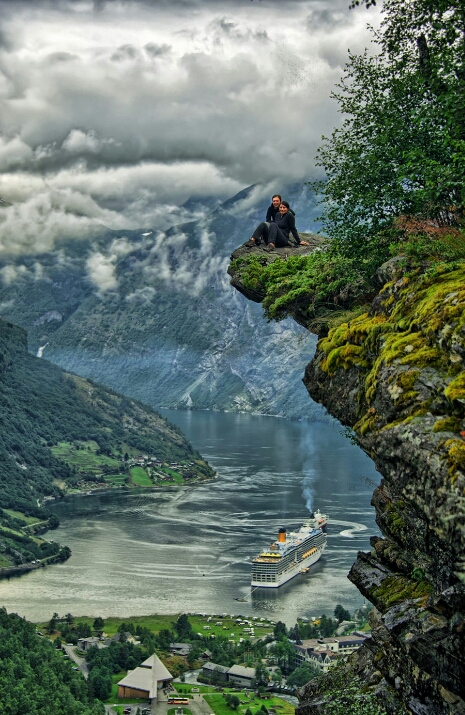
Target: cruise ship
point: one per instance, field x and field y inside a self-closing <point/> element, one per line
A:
<point x="291" y="554"/>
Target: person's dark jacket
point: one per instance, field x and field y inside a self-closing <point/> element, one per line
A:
<point x="271" y="213"/>
<point x="287" y="225"/>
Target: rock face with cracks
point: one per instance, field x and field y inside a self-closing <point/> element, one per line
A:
<point x="395" y="375"/>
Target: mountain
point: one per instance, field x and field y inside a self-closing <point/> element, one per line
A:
<point x="60" y="432"/>
<point x="152" y="314"/>
<point x="393" y="373"/>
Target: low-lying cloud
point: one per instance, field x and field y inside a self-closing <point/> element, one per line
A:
<point x="115" y="113"/>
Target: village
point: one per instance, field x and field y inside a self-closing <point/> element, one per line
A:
<point x="192" y="673"/>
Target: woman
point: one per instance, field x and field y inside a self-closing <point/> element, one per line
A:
<point x="277" y="233"/>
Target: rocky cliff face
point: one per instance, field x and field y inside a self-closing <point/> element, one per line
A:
<point x="395" y="375"/>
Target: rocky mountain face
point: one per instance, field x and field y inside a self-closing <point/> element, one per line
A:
<point x="395" y="375"/>
<point x="151" y="314"/>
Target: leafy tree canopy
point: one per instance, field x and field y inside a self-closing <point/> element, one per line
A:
<point x="400" y="149"/>
<point x="35" y="678"/>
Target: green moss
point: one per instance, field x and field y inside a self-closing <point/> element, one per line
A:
<point x="447" y="424"/>
<point x="456" y="389"/>
<point x="456" y="450"/>
<point x="345" y="356"/>
<point x="366" y="424"/>
<point x="395" y="589"/>
<point x="406" y="380"/>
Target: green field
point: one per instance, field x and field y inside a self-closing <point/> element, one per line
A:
<point x="116" y="480"/>
<point x="249" y="700"/>
<point x="156" y="623"/>
<point x="18" y="515"/>
<point x="83" y="456"/>
<point x="139" y="477"/>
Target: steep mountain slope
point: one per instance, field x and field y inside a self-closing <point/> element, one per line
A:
<point x="395" y="375"/>
<point x="152" y="314"/>
<point x="41" y="407"/>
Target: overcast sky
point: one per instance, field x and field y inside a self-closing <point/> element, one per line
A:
<point x="117" y="112"/>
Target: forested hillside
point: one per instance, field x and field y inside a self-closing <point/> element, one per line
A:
<point x="60" y="432"/>
<point x="35" y="678"/>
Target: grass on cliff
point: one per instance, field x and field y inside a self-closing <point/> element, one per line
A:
<point x="309" y="286"/>
<point x="328" y="286"/>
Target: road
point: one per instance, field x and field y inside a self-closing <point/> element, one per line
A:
<point x="197" y="706"/>
<point x="80" y="662"/>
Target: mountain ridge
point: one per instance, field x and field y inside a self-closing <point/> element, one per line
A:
<point x="166" y="327"/>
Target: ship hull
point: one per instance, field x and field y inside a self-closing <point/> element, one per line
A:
<point x="278" y="577"/>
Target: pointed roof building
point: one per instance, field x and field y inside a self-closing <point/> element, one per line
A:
<point x="146" y="680"/>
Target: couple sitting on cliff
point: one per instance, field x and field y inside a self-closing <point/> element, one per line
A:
<point x="275" y="229"/>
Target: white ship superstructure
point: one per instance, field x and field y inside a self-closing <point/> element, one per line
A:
<point x="290" y="555"/>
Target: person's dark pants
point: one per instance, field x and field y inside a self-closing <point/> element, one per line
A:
<point x="261" y="233"/>
<point x="276" y="236"/>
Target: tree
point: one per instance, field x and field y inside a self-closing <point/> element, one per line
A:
<point x="341" y="614"/>
<point x="284" y="652"/>
<point x="401" y="148"/>
<point x="164" y="638"/>
<point x="280" y="630"/>
<point x="83" y="630"/>
<point x="234" y="702"/>
<point x="183" y="627"/>
<point x="302" y="675"/>
<point x="98" y="624"/>
<point x="261" y="674"/>
<point x="100" y="683"/>
<point x="52" y="624"/>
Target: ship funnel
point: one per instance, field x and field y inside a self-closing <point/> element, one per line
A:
<point x="282" y="536"/>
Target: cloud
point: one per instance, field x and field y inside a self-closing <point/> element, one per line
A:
<point x="34" y="225"/>
<point x="101" y="270"/>
<point x="117" y="112"/>
<point x="79" y="142"/>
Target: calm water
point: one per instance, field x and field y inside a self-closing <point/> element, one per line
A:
<point x="189" y="549"/>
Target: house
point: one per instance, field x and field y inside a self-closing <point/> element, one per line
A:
<point x="85" y="643"/>
<point x="240" y="675"/>
<point x="221" y="672"/>
<point x="323" y="659"/>
<point x="180" y="648"/>
<point x="336" y="645"/>
<point x="146" y="681"/>
<point x="123" y="638"/>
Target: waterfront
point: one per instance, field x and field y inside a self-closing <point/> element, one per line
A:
<point x="189" y="549"/>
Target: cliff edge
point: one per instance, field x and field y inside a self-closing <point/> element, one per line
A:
<point x="394" y="374"/>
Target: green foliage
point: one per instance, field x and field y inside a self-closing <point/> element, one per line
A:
<point x="341" y="614"/>
<point x="307" y="286"/>
<point x="42" y="406"/>
<point x="183" y="628"/>
<point x="117" y="657"/>
<point x="426" y="246"/>
<point x="35" y="678"/>
<point x="302" y="675"/>
<point x="401" y="147"/>
<point x="347" y="694"/>
<point x="98" y="624"/>
<point x="280" y="630"/>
